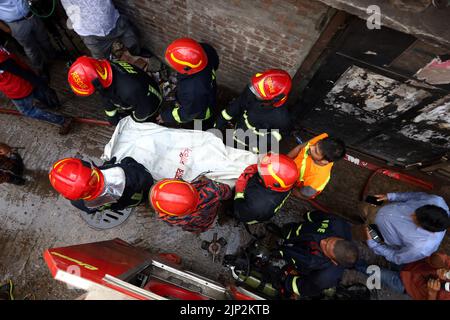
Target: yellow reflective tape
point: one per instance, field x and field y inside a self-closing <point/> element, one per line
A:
<point x="213" y="75"/>
<point x="261" y="88"/>
<point x="111" y="113"/>
<point x="294" y="285"/>
<point x="162" y="185"/>
<point x="102" y="73"/>
<point x="303" y="169"/>
<point x="239" y="195"/>
<point x="176" y="115"/>
<point x="239" y="141"/>
<point x="297" y="232"/>
<point x="162" y="210"/>
<point x="84" y="93"/>
<point x="81" y="264"/>
<point x="276" y="134"/>
<point x="308" y="216"/>
<point x="252" y="222"/>
<point x="324" y="184"/>
<point x="289" y="234"/>
<point x="208" y="114"/>
<point x="282" y="203"/>
<point x="185" y="63"/>
<point x="11" y="290"/>
<point x="141" y="119"/>
<point x="128" y="67"/>
<point x="249" y="126"/>
<point x="156" y="93"/>
<point x="274" y="175"/>
<point x="281" y="253"/>
<point x="59" y="162"/>
<point x="225" y="115"/>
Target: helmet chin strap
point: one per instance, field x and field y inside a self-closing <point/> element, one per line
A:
<point x="97" y="85"/>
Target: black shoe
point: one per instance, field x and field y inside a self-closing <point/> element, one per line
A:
<point x="66" y="126"/>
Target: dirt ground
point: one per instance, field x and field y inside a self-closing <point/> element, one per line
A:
<point x="35" y="217"/>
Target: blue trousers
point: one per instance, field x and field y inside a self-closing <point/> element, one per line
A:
<point x="26" y="107"/>
<point x="388" y="278"/>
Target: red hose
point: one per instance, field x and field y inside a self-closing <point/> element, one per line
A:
<point x="80" y="120"/>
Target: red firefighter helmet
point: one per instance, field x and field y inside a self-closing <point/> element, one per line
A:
<point x="85" y="70"/>
<point x="186" y="56"/>
<point x="278" y="171"/>
<point x="174" y="197"/>
<point x="75" y="181"/>
<point x="272" y="85"/>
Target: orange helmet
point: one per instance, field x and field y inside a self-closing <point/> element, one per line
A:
<point x="186" y="56"/>
<point x="174" y="197"/>
<point x="278" y="171"/>
<point x="84" y="71"/>
<point x="272" y="85"/>
<point x="75" y="181"/>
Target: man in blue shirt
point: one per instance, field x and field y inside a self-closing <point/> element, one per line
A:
<point x="412" y="226"/>
<point x="17" y="19"/>
<point x="319" y="249"/>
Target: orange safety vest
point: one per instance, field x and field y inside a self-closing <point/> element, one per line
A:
<point x="311" y="174"/>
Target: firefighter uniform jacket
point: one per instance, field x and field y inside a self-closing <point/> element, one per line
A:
<point x="195" y="94"/>
<point x="256" y="203"/>
<point x="301" y="248"/>
<point x="138" y="182"/>
<point x="211" y="193"/>
<point x="261" y="124"/>
<point x="132" y="92"/>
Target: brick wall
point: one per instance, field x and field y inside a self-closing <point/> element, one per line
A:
<point x="249" y="35"/>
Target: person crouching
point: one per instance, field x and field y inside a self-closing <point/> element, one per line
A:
<point x="192" y="206"/>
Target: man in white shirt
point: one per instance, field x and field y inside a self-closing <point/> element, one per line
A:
<point x="99" y="24"/>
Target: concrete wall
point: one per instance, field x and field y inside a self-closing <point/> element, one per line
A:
<point x="418" y="18"/>
<point x="249" y="35"/>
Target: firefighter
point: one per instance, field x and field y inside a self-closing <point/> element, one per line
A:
<point x="263" y="188"/>
<point x="11" y="166"/>
<point x="193" y="206"/>
<point x="126" y="89"/>
<point x="196" y="64"/>
<point x="113" y="186"/>
<point x="258" y="111"/>
<point x="314" y="160"/>
<point x="319" y="250"/>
